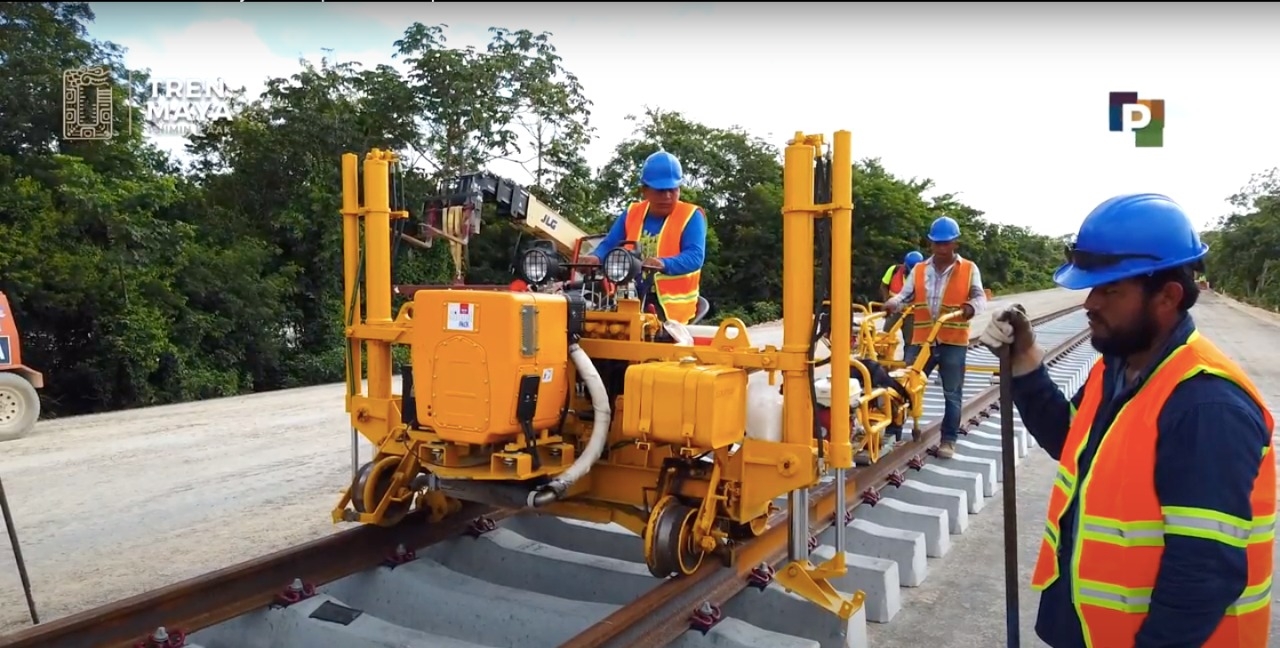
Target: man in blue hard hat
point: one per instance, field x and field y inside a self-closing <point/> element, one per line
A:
<point x="891" y="284"/>
<point x="671" y="236"/>
<point x="1160" y="527"/>
<point x="943" y="283"/>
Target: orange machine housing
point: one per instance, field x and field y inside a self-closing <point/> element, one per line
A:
<point x="11" y="347"/>
<point x="471" y="348"/>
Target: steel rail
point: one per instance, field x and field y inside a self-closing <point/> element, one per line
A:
<point x="214" y="597"/>
<point x="217" y="596"/>
<point x="661" y="615"/>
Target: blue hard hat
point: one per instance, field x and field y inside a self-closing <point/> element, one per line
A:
<point x="1130" y="236"/>
<point x="944" y="230"/>
<point x="912" y="259"/>
<point x="661" y="171"/>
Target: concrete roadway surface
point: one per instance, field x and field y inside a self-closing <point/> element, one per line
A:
<point x="112" y="505"/>
<point x="962" y="604"/>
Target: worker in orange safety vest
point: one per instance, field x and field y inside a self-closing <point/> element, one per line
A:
<point x="943" y="283"/>
<point x="671" y="235"/>
<point x="1160" y="525"/>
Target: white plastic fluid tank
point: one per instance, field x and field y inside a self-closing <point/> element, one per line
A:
<point x="764" y="407"/>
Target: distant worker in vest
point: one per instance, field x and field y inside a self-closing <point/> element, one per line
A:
<point x="891" y="284"/>
<point x="672" y="237"/>
<point x="943" y="283"/>
<point x="1161" y="519"/>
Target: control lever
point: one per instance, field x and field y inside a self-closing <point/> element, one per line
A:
<point x="526" y="406"/>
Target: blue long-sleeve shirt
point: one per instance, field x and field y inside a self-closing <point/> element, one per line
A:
<point x="1211" y="435"/>
<point x="693" y="241"/>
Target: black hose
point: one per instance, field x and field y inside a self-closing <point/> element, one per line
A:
<point x="398" y="203"/>
<point x="822" y="289"/>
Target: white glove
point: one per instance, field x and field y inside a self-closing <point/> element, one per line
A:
<point x="1010" y="327"/>
<point x="998" y="333"/>
<point x="892" y="305"/>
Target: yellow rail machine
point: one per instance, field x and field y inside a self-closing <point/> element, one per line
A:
<point x="574" y="408"/>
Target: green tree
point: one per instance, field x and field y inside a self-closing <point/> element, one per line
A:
<point x="1245" y="246"/>
<point x="138" y="283"/>
<point x="100" y="251"/>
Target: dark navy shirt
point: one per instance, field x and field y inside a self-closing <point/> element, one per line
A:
<point x="1211" y="435"/>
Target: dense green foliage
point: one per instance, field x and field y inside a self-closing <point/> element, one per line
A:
<point x="138" y="283"/>
<point x="1244" y="252"/>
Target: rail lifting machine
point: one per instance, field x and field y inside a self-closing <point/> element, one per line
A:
<point x="542" y="399"/>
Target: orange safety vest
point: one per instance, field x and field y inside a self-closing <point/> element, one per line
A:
<point x="954" y="295"/>
<point x="678" y="294"/>
<point x="1121" y="525"/>
<point x="898" y="280"/>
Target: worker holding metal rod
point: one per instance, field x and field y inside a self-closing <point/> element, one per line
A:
<point x="1160" y="526"/>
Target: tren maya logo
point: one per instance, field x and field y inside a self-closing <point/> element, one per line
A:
<point x="173" y="106"/>
<point x="1142" y="117"/>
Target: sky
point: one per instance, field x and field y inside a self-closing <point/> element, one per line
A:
<point x="1004" y="104"/>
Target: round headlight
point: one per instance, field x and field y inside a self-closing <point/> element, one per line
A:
<point x="535" y="266"/>
<point x="620" y="265"/>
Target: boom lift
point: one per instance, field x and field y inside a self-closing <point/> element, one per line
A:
<point x="19" y="402"/>
<point x="456" y="215"/>
<point x="542" y="400"/>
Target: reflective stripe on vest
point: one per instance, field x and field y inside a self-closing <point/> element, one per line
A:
<point x="1121" y="526"/>
<point x="678" y="294"/>
<point x="954" y="294"/>
<point x="898" y="280"/>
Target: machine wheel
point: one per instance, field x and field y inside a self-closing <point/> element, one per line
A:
<point x="372" y="482"/>
<point x="19" y="406"/>
<point x="668" y="539"/>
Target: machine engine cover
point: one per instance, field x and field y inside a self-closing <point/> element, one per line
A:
<point x="822" y="391"/>
<point x="682" y="403"/>
<point x="470" y="350"/>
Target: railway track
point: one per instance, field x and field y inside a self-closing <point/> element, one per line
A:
<point x="486" y="578"/>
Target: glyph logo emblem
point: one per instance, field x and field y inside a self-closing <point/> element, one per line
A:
<point x="87" y="104"/>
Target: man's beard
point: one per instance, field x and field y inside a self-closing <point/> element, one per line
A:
<point x="1122" y="342"/>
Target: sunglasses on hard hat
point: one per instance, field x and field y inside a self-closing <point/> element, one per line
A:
<point x="1086" y="260"/>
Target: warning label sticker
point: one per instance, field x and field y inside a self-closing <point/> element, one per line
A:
<point x="462" y="317"/>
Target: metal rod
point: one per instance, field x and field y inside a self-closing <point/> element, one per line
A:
<point x="798" y="516"/>
<point x="1010" y="492"/>
<point x="842" y="509"/>
<point x="355" y="457"/>
<point x="17" y="555"/>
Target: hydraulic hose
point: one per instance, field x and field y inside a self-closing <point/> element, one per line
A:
<point x="599" y="432"/>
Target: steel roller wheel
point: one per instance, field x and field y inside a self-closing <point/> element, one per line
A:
<point x="372" y="483"/>
<point x="668" y="540"/>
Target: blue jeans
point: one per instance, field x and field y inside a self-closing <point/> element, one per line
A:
<point x="950" y="359"/>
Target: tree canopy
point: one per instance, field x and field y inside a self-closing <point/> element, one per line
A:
<point x="1244" y="247"/>
<point x="138" y="282"/>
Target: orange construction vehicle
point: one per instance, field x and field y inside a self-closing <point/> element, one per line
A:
<point x="19" y="402"/>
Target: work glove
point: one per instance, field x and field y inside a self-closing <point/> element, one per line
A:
<point x="1010" y="327"/>
<point x="893" y="305"/>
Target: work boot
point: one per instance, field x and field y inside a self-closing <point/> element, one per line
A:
<point x="947" y="450"/>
